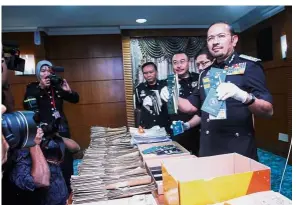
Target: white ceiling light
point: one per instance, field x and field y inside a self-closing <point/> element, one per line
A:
<point x="141" y="20"/>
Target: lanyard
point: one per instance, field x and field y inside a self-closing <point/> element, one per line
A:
<point x="52" y="101"/>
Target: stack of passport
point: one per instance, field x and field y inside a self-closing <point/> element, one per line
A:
<point x="211" y="81"/>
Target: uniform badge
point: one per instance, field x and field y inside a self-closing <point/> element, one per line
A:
<point x="142" y="94"/>
<point x="236" y="69"/>
<point x="194" y="84"/>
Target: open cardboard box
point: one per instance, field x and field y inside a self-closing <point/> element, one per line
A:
<point x="209" y="180"/>
<point x="143" y="147"/>
<point x="152" y="163"/>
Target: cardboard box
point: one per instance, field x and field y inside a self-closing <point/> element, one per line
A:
<point x="143" y="147"/>
<point x="152" y="164"/>
<point x="209" y="180"/>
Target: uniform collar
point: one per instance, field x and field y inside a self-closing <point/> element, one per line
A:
<point x="156" y="84"/>
<point x="227" y="62"/>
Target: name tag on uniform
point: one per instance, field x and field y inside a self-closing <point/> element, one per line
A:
<point x="222" y="113"/>
<point x="236" y="69"/>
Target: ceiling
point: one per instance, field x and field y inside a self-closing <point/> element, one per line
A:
<point x="67" y="20"/>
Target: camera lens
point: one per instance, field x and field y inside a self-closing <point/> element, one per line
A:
<point x="19" y="129"/>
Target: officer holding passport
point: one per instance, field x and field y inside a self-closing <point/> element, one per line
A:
<point x="230" y="92"/>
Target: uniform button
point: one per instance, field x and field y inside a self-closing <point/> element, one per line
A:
<point x="153" y="114"/>
<point x="59" y="96"/>
<point x="208" y="120"/>
<point x="50" y="97"/>
<point x="57" y="91"/>
<point x="49" y="92"/>
<point x="154" y="120"/>
<point x="41" y="96"/>
<point x="52" y="114"/>
<point x="207" y="132"/>
<point x="181" y="93"/>
<point x="190" y="92"/>
<point x="201" y="85"/>
<point x="237" y="134"/>
<point x="52" y="109"/>
<point x="188" y="85"/>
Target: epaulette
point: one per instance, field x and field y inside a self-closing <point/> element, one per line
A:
<point x="250" y="58"/>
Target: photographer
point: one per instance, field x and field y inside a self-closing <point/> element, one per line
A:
<point x="49" y="96"/>
<point x="36" y="175"/>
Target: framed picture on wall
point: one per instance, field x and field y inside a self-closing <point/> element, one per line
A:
<point x="29" y="65"/>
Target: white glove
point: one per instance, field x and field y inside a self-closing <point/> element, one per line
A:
<point x="164" y="94"/>
<point x="227" y="90"/>
<point x="147" y="101"/>
<point x="186" y="125"/>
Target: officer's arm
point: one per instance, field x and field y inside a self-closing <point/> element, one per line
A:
<point x="194" y="121"/>
<point x="185" y="106"/>
<point x="71" y="145"/>
<point x="255" y="80"/>
<point x="190" y="104"/>
<point x="261" y="108"/>
<point x="30" y="92"/>
<point x="137" y="98"/>
<point x="71" y="96"/>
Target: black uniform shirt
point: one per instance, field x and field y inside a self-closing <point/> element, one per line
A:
<point x="150" y="119"/>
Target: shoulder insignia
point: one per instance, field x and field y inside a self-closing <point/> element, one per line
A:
<point x="249" y="58"/>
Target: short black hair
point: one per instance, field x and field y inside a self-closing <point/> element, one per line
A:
<point x="205" y="51"/>
<point x="180" y="52"/>
<point x="231" y="29"/>
<point x="149" y="63"/>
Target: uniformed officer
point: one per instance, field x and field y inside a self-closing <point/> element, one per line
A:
<point x="50" y="104"/>
<point x="245" y="94"/>
<point x="152" y="112"/>
<point x="189" y="139"/>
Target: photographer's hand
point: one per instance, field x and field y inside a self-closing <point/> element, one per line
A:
<point x="38" y="137"/>
<point x="66" y="86"/>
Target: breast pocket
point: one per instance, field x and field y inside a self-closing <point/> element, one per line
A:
<point x="238" y="80"/>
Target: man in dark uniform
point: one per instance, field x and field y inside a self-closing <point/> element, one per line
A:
<point x="50" y="99"/>
<point x="146" y="94"/>
<point x="244" y="92"/>
<point x="189" y="139"/>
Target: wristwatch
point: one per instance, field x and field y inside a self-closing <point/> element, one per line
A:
<point x="252" y="100"/>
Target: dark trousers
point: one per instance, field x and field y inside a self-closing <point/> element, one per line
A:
<point x="189" y="140"/>
<point x="67" y="164"/>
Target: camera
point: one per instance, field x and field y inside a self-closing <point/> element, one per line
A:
<point x="56" y="80"/>
<point x="11" y="54"/>
<point x="49" y="129"/>
<point x="19" y="129"/>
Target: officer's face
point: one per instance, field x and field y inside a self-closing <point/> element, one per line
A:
<point x="203" y="62"/>
<point x="45" y="71"/>
<point x="180" y="64"/>
<point x="220" y="41"/>
<point x="150" y="74"/>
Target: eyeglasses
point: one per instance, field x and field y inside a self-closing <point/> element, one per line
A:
<point x="202" y="63"/>
<point x="220" y="37"/>
<point x="182" y="62"/>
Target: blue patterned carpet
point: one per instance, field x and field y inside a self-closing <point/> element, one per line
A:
<point x="275" y="162"/>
